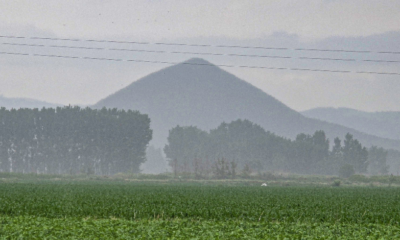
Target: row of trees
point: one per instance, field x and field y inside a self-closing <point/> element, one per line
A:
<point x="72" y="140"/>
<point x="107" y="141"/>
<point x="246" y="144"/>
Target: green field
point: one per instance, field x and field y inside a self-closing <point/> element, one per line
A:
<point x="181" y="210"/>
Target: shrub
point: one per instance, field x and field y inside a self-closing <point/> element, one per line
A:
<point x="336" y="183"/>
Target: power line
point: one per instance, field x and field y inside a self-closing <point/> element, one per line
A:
<point x="198" y="53"/>
<point x="198" y="64"/>
<point x="201" y="45"/>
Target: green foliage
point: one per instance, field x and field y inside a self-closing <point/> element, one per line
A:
<point x="240" y="141"/>
<point x="72" y="140"/>
<point x="355" y="154"/>
<point x="377" y="161"/>
<point x="28" y="227"/>
<point x="117" y="210"/>
<point x="224" y="169"/>
<point x="185" y="144"/>
<point x="249" y="144"/>
<point x="346" y="171"/>
<point x="335" y="159"/>
<point x="310" y="153"/>
<point x="336" y="183"/>
<point x="135" y="201"/>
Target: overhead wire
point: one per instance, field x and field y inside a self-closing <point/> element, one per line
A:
<point x="200" y="45"/>
<point x="198" y="64"/>
<point x="201" y="53"/>
<point x="197" y="53"/>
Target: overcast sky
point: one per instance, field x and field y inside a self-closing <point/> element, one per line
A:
<point x="369" y="25"/>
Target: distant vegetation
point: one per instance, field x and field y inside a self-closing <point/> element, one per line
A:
<point x="72" y="140"/>
<point x="244" y="147"/>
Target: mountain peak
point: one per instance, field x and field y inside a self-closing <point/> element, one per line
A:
<point x="197" y="61"/>
<point x="203" y="95"/>
<point x="197" y="92"/>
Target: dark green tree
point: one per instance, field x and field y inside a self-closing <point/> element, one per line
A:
<point x="72" y="140"/>
<point x="311" y="153"/>
<point x="355" y="154"/>
<point x="377" y="161"/>
<point x="184" y="145"/>
<point x="243" y="142"/>
<point x="335" y="159"/>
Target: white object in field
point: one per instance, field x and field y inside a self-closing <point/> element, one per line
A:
<point x="264" y="185"/>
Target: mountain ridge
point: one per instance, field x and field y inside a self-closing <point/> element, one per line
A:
<point x="24" y="103"/>
<point x="196" y="92"/>
<point x="385" y="124"/>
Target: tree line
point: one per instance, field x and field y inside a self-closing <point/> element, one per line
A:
<point x="244" y="145"/>
<point x="73" y="140"/>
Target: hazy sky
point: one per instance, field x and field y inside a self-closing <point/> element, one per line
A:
<point x="370" y="25"/>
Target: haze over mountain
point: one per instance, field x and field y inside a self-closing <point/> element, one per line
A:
<point x="195" y="93"/>
<point x="381" y="124"/>
<point x="24" y="103"/>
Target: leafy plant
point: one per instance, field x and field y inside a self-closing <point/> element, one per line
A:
<point x="336" y="183"/>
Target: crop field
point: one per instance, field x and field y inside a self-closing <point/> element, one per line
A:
<point x="127" y="210"/>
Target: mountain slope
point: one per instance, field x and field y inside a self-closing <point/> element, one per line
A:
<point x="381" y="124"/>
<point x="205" y="96"/>
<point x="23" y="103"/>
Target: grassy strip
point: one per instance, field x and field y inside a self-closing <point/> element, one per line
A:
<point x="31" y="227"/>
<point x="254" y="180"/>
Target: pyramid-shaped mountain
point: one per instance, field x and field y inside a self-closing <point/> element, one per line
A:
<point x="198" y="93"/>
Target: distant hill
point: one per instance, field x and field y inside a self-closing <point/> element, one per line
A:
<point x="191" y="93"/>
<point x="24" y="103"/>
<point x="381" y="124"/>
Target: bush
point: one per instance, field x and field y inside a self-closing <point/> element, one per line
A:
<point x="336" y="183"/>
<point x="346" y="171"/>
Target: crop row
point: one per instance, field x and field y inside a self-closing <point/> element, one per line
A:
<point x="27" y="227"/>
<point x="151" y="201"/>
